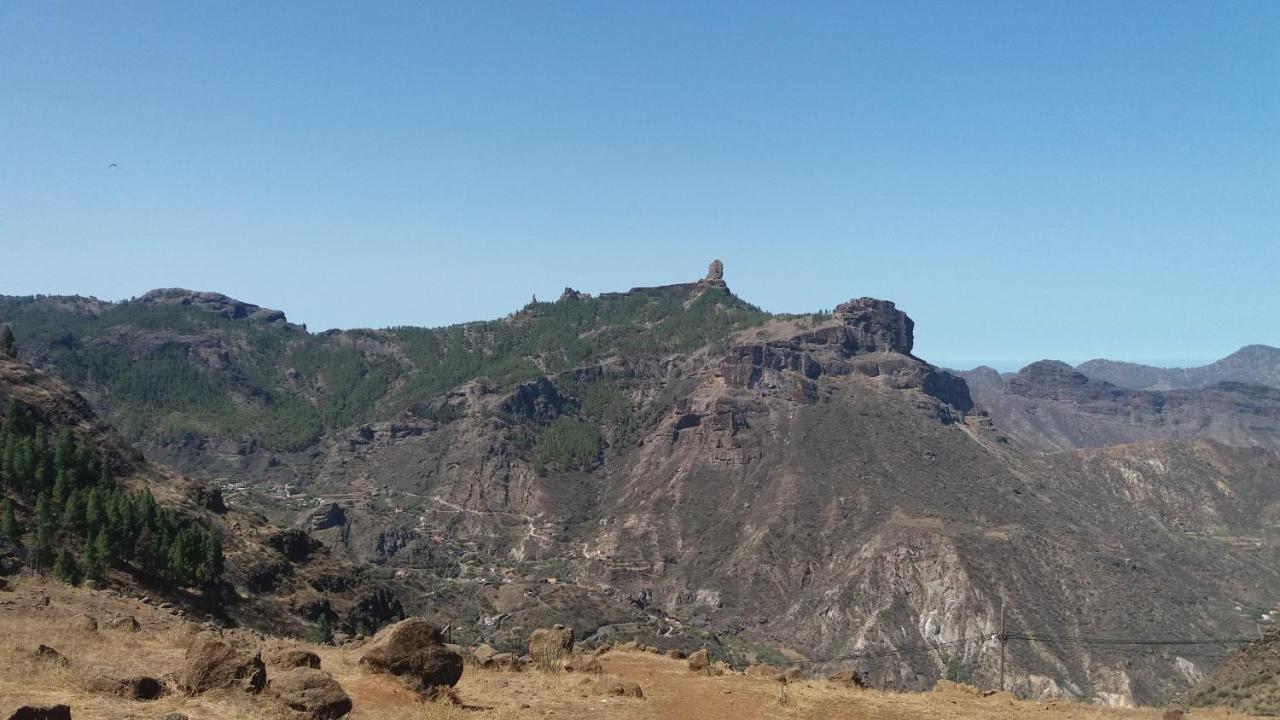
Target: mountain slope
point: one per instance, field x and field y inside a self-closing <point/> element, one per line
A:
<point x="1252" y="364"/>
<point x="269" y="581"/>
<point x="674" y="464"/>
<point x="1048" y="407"/>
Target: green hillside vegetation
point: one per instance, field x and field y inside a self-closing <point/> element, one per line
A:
<point x="177" y="370"/>
<point x="82" y="521"/>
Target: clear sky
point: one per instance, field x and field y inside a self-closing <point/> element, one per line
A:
<point x="1026" y="179"/>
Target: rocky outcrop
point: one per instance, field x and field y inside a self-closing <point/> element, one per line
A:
<point x="289" y="658"/>
<point x="699" y="661"/>
<point x="414" y="651"/>
<point x="125" y="623"/>
<point x="295" y="544"/>
<point x="548" y="646"/>
<point x="871" y="325"/>
<point x="537" y="400"/>
<point x="215" y="303"/>
<point x="311" y="692"/>
<point x="213" y="664"/>
<point x="138" y="687"/>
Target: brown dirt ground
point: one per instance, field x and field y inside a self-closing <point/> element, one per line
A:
<point x="36" y="611"/>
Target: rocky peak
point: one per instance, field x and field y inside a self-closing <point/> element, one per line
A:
<point x="876" y="325"/>
<point x="715" y="273"/>
<point x="215" y="303"/>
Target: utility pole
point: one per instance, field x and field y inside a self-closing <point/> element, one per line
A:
<point x="1004" y="640"/>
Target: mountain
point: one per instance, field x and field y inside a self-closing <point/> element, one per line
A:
<point x="675" y="464"/>
<point x="1252" y="364"/>
<point x="1048" y="406"/>
<point x="146" y="529"/>
<point x="1248" y="680"/>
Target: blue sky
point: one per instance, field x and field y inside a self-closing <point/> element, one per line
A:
<point x="1026" y="179"/>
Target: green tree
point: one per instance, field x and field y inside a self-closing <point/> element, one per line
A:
<point x="44" y="516"/>
<point x="323" y="631"/>
<point x="73" y="516"/>
<point x="8" y="346"/>
<point x="9" y="526"/>
<point x="211" y="565"/>
<point x="61" y="490"/>
<point x="94" y="568"/>
<point x="104" y="548"/>
<point x="66" y="569"/>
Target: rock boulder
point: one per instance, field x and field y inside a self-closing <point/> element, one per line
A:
<point x="414" y="650"/>
<point x="310" y="691"/>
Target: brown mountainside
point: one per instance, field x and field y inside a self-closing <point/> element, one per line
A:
<point x="680" y="467"/>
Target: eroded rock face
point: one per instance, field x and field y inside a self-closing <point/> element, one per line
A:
<point x="875" y="325"/>
<point x="212" y="664"/>
<point x="414" y="650"/>
<point x="311" y="692"/>
<point x="537" y="400"/>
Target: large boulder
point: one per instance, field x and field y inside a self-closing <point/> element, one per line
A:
<point x="847" y="677"/>
<point x="289" y="658"/>
<point x="414" y="650"/>
<point x="547" y="646"/>
<point x="211" y="664"/>
<point x="699" y="661"/>
<point x="125" y="623"/>
<point x="765" y="671"/>
<point x="42" y="712"/>
<point x="620" y="688"/>
<point x="483" y="655"/>
<point x="140" y="687"/>
<point x="312" y="692"/>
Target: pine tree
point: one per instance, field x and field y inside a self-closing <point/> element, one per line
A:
<point x="323" y="632"/>
<point x="94" y="568"/>
<point x="61" y="490"/>
<point x="73" y="516"/>
<point x="41" y="550"/>
<point x="9" y="526"/>
<point x="105" y="480"/>
<point x="94" y="515"/>
<point x="44" y="516"/>
<point x="66" y="569"/>
<point x="211" y="564"/>
<point x="104" y="548"/>
<point x="8" y="346"/>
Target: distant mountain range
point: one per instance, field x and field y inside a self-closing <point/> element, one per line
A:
<point x="1252" y="364"/>
<point x="675" y="464"/>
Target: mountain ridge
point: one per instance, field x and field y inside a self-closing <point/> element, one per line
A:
<point x="690" y="469"/>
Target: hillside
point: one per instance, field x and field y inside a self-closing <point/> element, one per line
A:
<point x="1248" y="680"/>
<point x="89" y="505"/>
<point x="36" y="614"/>
<point x="674" y="464"/>
<point x="1252" y="364"/>
<point x="1048" y="406"/>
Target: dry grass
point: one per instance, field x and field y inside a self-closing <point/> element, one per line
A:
<point x="671" y="691"/>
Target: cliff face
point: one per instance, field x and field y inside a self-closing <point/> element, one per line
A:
<point x="691" y="470"/>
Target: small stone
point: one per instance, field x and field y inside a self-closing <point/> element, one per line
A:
<point x="84" y="623"/>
